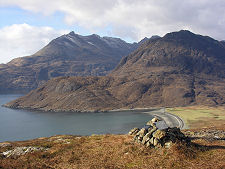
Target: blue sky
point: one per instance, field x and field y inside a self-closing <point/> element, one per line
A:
<point x="26" y="26"/>
<point x="16" y="15"/>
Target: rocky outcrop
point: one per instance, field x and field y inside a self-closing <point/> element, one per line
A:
<point x="22" y="151"/>
<point x="207" y="134"/>
<point x="152" y="136"/>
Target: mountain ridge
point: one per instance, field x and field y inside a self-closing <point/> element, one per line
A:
<point x="179" y="69"/>
<point x="201" y="52"/>
<point x="67" y="55"/>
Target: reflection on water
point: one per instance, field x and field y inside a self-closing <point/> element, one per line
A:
<point x="22" y="124"/>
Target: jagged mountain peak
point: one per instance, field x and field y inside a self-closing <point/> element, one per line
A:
<point x="96" y="36"/>
<point x="72" y="33"/>
<point x="143" y="40"/>
<point x="155" y="37"/>
<point x="68" y="55"/>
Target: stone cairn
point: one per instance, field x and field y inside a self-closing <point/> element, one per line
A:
<point x="157" y="134"/>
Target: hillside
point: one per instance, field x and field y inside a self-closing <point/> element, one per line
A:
<point x="115" y="151"/>
<point x="178" y="69"/>
<point x="68" y="55"/>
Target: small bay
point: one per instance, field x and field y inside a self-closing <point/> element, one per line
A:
<point x="18" y="125"/>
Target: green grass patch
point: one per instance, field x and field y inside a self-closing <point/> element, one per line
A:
<point x="192" y="115"/>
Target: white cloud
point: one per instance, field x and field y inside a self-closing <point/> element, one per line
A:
<point x="22" y="40"/>
<point x="136" y="18"/>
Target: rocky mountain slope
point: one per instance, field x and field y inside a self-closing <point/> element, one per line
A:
<point x="68" y="55"/>
<point x="178" y="69"/>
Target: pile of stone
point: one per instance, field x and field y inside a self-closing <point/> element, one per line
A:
<point x="157" y="134"/>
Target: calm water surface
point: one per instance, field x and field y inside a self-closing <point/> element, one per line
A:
<point x="23" y="125"/>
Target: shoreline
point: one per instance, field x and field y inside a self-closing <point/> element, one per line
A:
<point x="80" y="111"/>
<point x="170" y="119"/>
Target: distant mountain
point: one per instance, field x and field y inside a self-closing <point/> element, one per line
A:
<point x="223" y="42"/>
<point x="68" y="55"/>
<point x="179" y="69"/>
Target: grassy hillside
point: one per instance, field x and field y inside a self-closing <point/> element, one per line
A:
<point x="113" y="151"/>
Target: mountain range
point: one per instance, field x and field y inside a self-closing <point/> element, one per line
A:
<point x="67" y="55"/>
<point x="179" y="69"/>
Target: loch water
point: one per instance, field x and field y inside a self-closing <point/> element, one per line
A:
<point x="16" y="125"/>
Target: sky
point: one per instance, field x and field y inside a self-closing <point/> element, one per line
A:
<point x="28" y="25"/>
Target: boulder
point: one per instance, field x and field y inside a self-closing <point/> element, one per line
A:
<point x="153" y="121"/>
<point x="148" y="144"/>
<point x="152" y="130"/>
<point x="159" y="134"/>
<point x="134" y="131"/>
<point x="142" y="132"/>
<point x="156" y="142"/>
<point x="151" y="141"/>
<point x="168" y="144"/>
<point x="146" y="138"/>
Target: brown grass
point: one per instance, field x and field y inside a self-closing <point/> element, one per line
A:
<point x="115" y="151"/>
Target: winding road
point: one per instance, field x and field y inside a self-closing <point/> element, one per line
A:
<point x="170" y="119"/>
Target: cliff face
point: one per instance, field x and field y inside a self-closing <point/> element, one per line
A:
<point x="178" y="69"/>
<point x="68" y="55"/>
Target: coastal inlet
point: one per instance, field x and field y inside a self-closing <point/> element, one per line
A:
<point x="18" y="125"/>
